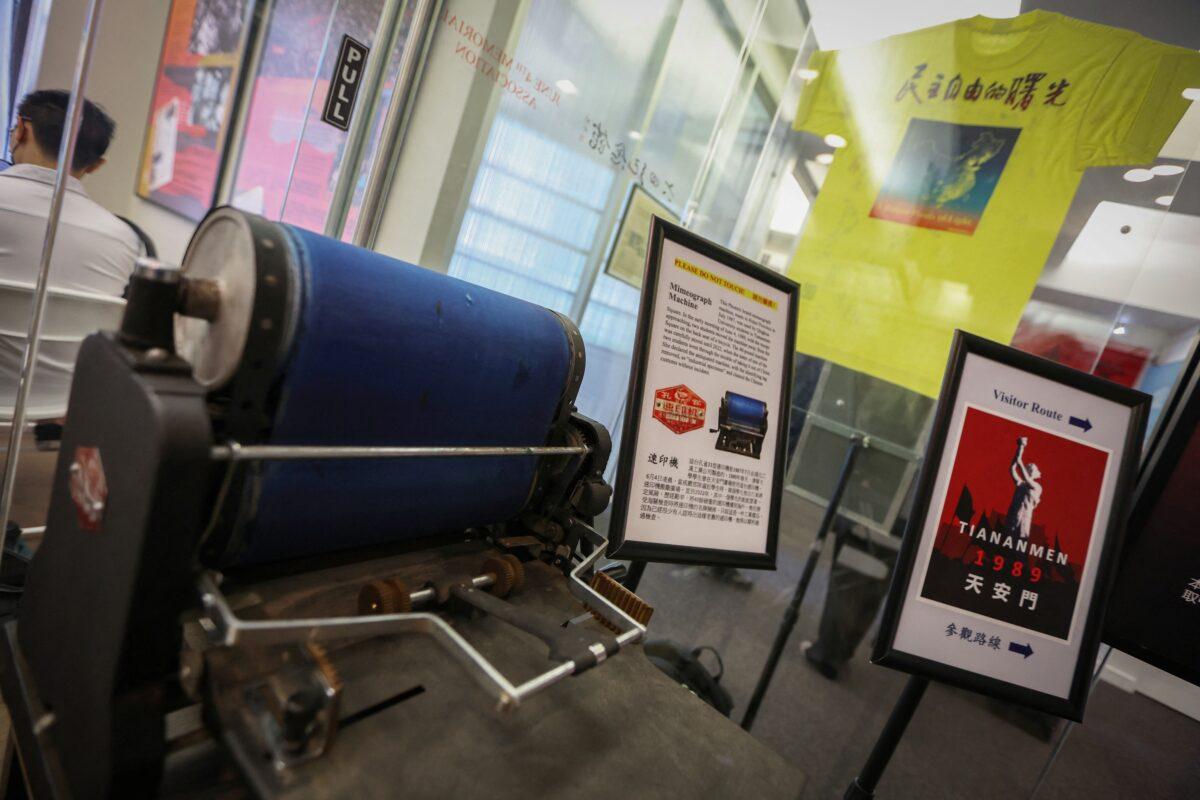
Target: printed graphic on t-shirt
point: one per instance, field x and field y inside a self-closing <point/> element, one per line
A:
<point x="944" y="175"/>
<point x="1016" y="523"/>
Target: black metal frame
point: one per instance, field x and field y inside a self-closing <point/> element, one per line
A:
<point x="1171" y="439"/>
<point x="619" y="545"/>
<point x="634" y="188"/>
<point x="884" y="652"/>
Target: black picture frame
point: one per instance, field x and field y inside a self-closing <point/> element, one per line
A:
<point x="636" y="192"/>
<point x="1170" y="442"/>
<point x="621" y="547"/>
<point x="884" y="652"/>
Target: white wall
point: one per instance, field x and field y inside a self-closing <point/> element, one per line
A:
<point x="1128" y="673"/>
<point x="121" y="80"/>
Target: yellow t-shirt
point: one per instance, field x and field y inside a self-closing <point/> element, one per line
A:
<point x="965" y="145"/>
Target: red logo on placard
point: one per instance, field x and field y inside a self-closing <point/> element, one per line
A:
<point x="679" y="408"/>
<point x="89" y="489"/>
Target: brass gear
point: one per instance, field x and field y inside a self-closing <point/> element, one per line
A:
<point x="518" y="571"/>
<point x="321" y="658"/>
<point x="384" y="596"/>
<point x="505" y="573"/>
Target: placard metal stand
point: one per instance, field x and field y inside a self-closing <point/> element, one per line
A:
<point x="863" y="787"/>
<point x="637" y="568"/>
<point x="792" y="614"/>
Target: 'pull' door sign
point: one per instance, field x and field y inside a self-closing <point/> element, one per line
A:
<point x="343" y="88"/>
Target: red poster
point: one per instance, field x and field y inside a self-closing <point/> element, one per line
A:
<point x="1016" y="524"/>
<point x="1117" y="362"/>
<point x="193" y="96"/>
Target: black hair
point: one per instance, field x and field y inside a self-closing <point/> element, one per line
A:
<point x="46" y="110"/>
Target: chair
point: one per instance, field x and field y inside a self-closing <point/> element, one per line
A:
<point x="70" y="317"/>
<point x="148" y="247"/>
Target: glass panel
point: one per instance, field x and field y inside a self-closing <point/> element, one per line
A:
<point x="548" y="177"/>
<point x="1110" y="290"/>
<point x="22" y="35"/>
<point x="289" y="159"/>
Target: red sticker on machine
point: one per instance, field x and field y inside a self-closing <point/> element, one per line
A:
<point x="89" y="489"/>
<point x="679" y="408"/>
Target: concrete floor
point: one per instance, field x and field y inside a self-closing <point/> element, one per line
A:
<point x="957" y="745"/>
<point x="35" y="472"/>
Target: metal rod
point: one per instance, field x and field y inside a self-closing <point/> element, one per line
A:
<point x="792" y="614"/>
<point x="633" y="578"/>
<point x="395" y="123"/>
<point x="387" y="33"/>
<point x="283" y="452"/>
<point x="66" y="155"/>
<point x="863" y="787"/>
<point x="256" y="39"/>
<point x="422" y="596"/>
<point x="226" y="629"/>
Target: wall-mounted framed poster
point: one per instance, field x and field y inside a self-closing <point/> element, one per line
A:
<point x="195" y="92"/>
<point x="1016" y="528"/>
<point x="627" y="258"/>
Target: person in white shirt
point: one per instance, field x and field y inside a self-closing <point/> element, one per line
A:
<point x="94" y="251"/>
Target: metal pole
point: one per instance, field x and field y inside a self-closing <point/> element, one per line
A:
<point x="66" y="154"/>
<point x="718" y="134"/>
<point x="792" y="614"/>
<point x="863" y="787"/>
<point x="387" y="35"/>
<point x="290" y="452"/>
<point x="1066" y="731"/>
<point x="634" y="577"/>
<point x="235" y="140"/>
<point x="395" y="124"/>
<point x="312" y="93"/>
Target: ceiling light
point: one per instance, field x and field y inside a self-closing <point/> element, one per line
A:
<point x="1166" y="169"/>
<point x="1119" y="330"/>
<point x="1138" y="175"/>
<point x="566" y="87"/>
<point x="1165" y="200"/>
<point x="635" y="135"/>
<point x="807" y="74"/>
<point x="833" y="140"/>
<point x="824" y="158"/>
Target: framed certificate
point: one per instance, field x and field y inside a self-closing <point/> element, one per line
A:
<point x="627" y="258"/>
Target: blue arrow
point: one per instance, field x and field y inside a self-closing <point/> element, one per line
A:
<point x="1085" y="423"/>
<point x="1023" y="649"/>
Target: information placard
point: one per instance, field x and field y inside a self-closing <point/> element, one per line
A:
<point x="1016" y="528"/>
<point x="1155" y="609"/>
<point x="702" y="458"/>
